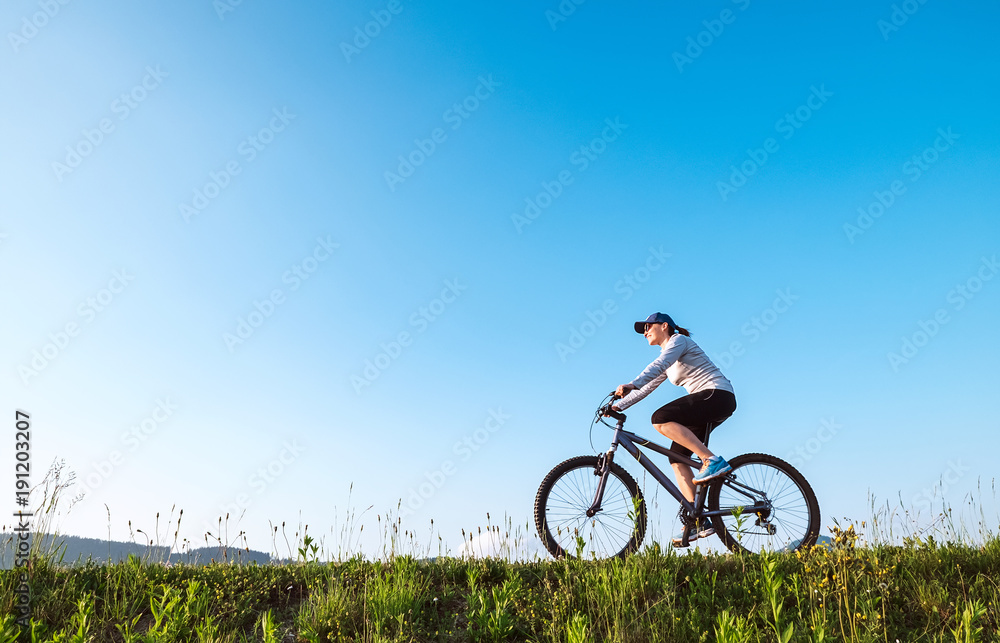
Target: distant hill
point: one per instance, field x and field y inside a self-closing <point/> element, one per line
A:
<point x="75" y="549"/>
<point x="825" y="541"/>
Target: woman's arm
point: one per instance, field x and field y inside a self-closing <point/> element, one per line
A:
<point x="639" y="393"/>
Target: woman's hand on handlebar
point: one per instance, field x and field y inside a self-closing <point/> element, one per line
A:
<point x="617" y="394"/>
<point x="622" y="390"/>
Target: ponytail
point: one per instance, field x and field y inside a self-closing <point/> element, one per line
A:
<point x="682" y="331"/>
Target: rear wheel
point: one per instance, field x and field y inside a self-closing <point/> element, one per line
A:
<point x="769" y="506"/>
<point x="566" y="494"/>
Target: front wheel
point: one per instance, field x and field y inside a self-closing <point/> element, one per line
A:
<point x="767" y="505"/>
<point x="564" y="497"/>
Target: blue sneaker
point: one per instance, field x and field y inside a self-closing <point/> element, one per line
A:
<point x="712" y="469"/>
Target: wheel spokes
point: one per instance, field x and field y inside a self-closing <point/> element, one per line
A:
<point x="606" y="533"/>
<point x="788" y="514"/>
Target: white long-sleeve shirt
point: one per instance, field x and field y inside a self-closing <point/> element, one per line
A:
<point x="685" y="364"/>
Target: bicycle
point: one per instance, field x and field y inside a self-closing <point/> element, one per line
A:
<point x="590" y="507"/>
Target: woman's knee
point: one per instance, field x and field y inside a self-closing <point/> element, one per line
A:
<point x="668" y="429"/>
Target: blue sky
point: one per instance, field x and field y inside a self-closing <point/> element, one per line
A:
<point x="205" y="193"/>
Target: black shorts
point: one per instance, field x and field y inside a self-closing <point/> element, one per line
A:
<point x="696" y="411"/>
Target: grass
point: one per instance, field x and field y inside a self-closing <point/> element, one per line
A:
<point x="934" y="587"/>
<point x="924" y="591"/>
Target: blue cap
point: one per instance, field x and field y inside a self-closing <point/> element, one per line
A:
<point x="655" y="318"/>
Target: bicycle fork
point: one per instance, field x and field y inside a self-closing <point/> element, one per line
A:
<point x="602" y="469"/>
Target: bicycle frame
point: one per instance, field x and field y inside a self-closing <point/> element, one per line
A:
<point x="632" y="442"/>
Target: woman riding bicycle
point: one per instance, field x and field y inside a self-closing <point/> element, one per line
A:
<point x="710" y="399"/>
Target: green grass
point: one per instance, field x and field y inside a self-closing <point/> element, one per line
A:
<point x="941" y="583"/>
<point x="924" y="591"/>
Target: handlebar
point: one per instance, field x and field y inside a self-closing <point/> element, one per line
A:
<point x="616" y="415"/>
<point x="606" y="410"/>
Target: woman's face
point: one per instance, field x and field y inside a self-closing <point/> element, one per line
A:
<point x="656" y="333"/>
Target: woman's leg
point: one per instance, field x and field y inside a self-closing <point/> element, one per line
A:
<point x="685" y="479"/>
<point x="684" y="437"/>
<point x="697" y="410"/>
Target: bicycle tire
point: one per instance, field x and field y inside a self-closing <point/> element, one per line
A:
<point x="563" y="499"/>
<point x="789" y="522"/>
